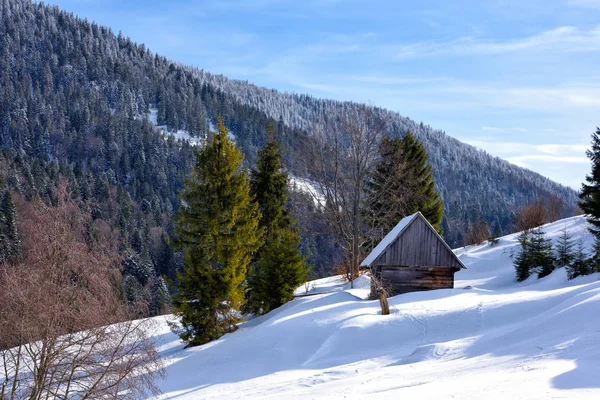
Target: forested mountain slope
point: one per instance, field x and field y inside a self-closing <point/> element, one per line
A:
<point x="473" y="183"/>
<point x="75" y="99"/>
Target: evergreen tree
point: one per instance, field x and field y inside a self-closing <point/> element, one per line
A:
<point x="564" y="249"/>
<point x="402" y="184"/>
<point x="279" y="270"/>
<point x="279" y="267"/>
<point x="138" y="267"/>
<point x="522" y="261"/>
<point x="497" y="231"/>
<point x="590" y="190"/>
<point x="535" y="255"/>
<point x="580" y="264"/>
<point x="217" y="227"/>
<point x="595" y="260"/>
<point x="160" y="296"/>
<point x="269" y="186"/>
<point x="541" y="253"/>
<point x="9" y="237"/>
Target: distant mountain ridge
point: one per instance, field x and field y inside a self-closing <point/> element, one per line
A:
<point x="77" y="95"/>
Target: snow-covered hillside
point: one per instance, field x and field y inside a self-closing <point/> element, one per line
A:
<point x="179" y="134"/>
<point x="490" y="337"/>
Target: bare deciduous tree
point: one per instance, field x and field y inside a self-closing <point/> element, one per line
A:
<point x="555" y="208"/>
<point x="340" y="162"/>
<point x="530" y="216"/>
<point x="64" y="328"/>
<point x="478" y="233"/>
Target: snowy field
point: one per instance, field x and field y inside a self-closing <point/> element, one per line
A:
<point x="490" y="337"/>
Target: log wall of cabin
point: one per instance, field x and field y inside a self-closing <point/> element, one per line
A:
<point x="398" y="280"/>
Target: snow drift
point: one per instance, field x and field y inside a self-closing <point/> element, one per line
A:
<point x="488" y="337"/>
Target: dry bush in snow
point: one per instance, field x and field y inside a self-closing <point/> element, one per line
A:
<point x="530" y="216"/>
<point x="64" y="328"/>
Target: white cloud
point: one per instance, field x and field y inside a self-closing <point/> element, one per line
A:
<point x="491" y="129"/>
<point x="525" y="160"/>
<point x="563" y="38"/>
<point x="565" y="163"/>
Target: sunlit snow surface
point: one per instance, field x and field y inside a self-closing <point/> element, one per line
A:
<point x="489" y="338"/>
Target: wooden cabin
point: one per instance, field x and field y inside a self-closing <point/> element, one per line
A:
<point x="412" y="257"/>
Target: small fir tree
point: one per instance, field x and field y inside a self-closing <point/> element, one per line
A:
<point x="522" y="261"/>
<point x="564" y="249"/>
<point x="595" y="260"/>
<point x="535" y="255"/>
<point x="580" y="264"/>
<point x="217" y="227"/>
<point x="542" y="257"/>
<point x="497" y="231"/>
<point x="590" y="190"/>
<point x="279" y="267"/>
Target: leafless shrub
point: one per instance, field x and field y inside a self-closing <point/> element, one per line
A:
<point x="530" y="216"/>
<point x="340" y="163"/>
<point x="308" y="286"/>
<point x="478" y="233"/>
<point x="64" y="329"/>
<point x="345" y="270"/>
<point x="555" y="208"/>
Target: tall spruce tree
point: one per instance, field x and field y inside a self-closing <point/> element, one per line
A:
<point x="218" y="228"/>
<point x="402" y="184"/>
<point x="590" y="190"/>
<point x="269" y="186"/>
<point x="279" y="266"/>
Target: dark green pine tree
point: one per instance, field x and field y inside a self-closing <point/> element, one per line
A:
<point x="497" y="230"/>
<point x="564" y="249"/>
<point x="590" y="190"/>
<point x="580" y="264"/>
<point x="427" y="199"/>
<point x="402" y="184"/>
<point x="595" y="259"/>
<point x="522" y="261"/>
<point x="541" y="253"/>
<point x="269" y="185"/>
<point x="9" y="237"/>
<point x="535" y="256"/>
<point x="218" y="228"/>
<point x="279" y="266"/>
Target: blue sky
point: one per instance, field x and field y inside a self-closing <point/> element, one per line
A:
<point x="519" y="79"/>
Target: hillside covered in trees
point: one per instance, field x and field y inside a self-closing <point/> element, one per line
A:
<point x="76" y="102"/>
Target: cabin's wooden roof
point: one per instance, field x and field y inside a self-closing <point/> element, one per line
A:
<point x="400" y="248"/>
